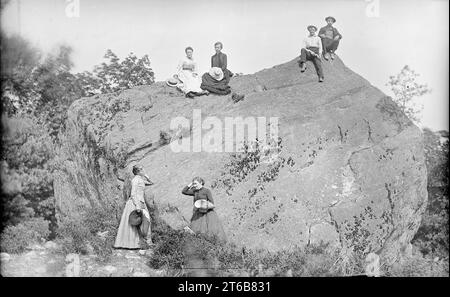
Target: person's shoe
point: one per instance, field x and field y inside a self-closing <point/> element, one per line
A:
<point x="332" y="55"/>
<point x="326" y="56"/>
<point x="320" y="79"/>
<point x="190" y="95"/>
<point x="302" y="67"/>
<point x="236" y="98"/>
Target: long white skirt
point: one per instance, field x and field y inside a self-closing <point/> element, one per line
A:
<point x="190" y="83"/>
<point x="127" y="235"/>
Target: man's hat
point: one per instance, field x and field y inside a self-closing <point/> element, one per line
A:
<point x="330" y="17"/>
<point x="311" y="26"/>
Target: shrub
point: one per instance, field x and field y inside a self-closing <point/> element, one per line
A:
<point x="419" y="266"/>
<point x="176" y="250"/>
<point x="95" y="229"/>
<point x="73" y="236"/>
<point x="169" y="250"/>
<point x="15" y="239"/>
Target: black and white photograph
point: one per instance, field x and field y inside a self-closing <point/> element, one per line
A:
<point x="245" y="141"/>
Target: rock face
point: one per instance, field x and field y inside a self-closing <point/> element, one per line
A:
<point x="348" y="169"/>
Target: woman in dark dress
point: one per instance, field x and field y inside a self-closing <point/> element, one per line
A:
<point x="204" y="222"/>
<point x="219" y="59"/>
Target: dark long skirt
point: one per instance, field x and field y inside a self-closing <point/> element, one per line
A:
<point x="214" y="86"/>
<point x="208" y="223"/>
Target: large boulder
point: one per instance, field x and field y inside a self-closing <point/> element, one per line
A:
<point x="348" y="168"/>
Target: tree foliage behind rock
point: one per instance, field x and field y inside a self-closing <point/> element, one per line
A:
<point x="37" y="90"/>
<point x="405" y="88"/>
<point x="432" y="238"/>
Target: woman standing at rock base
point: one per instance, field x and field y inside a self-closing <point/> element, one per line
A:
<point x="128" y="236"/>
<point x="204" y="218"/>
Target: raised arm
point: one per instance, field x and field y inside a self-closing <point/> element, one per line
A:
<point x="187" y="191"/>
<point x="147" y="181"/>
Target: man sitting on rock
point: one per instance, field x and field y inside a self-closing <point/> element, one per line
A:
<point x="312" y="50"/>
<point x="330" y="38"/>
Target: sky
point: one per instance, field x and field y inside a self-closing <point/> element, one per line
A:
<point x="379" y="36"/>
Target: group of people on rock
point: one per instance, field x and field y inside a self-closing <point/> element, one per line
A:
<point x="216" y="80"/>
<point x="314" y="47"/>
<point x="135" y="225"/>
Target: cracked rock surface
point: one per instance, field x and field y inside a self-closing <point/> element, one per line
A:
<point x="350" y="170"/>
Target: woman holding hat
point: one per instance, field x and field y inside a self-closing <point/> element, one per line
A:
<point x="330" y="38"/>
<point x="219" y="60"/>
<point x="204" y="218"/>
<point x="128" y="234"/>
<point x="187" y="74"/>
<point x="215" y="82"/>
<point x="312" y="50"/>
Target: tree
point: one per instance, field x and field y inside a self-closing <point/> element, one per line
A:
<point x="405" y="88"/>
<point x="27" y="156"/>
<point x="115" y="75"/>
<point x="18" y="60"/>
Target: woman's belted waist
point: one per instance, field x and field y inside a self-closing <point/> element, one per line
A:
<point x="314" y="49"/>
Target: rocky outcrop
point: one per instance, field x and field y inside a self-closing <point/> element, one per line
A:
<point x="348" y="168"/>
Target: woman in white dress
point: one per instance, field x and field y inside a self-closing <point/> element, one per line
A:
<point x="129" y="236"/>
<point x="187" y="74"/>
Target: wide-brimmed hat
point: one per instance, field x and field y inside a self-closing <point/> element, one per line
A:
<point x="330" y="17"/>
<point x="203" y="205"/>
<point x="216" y="73"/>
<point x="311" y="26"/>
<point x="135" y="218"/>
<point x="172" y="82"/>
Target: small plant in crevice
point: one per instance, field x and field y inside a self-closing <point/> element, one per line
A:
<point x="253" y="155"/>
<point x="164" y="137"/>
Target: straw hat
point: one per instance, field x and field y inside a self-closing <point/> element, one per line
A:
<point x="216" y="73"/>
<point x="135" y="218"/>
<point x="203" y="205"/>
<point x="172" y="82"/>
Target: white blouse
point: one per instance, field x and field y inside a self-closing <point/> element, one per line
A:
<point x="137" y="190"/>
<point x="186" y="62"/>
<point x="314" y="41"/>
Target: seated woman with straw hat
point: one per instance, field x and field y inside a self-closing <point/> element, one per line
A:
<point x="215" y="82"/>
<point x="204" y="218"/>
